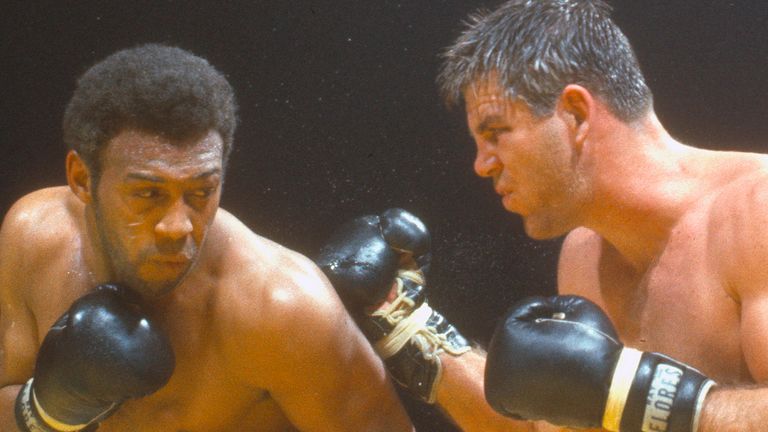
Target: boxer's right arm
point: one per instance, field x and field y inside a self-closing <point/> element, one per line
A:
<point x="101" y="352"/>
<point x="16" y="359"/>
<point x="461" y="395"/>
<point x="368" y="260"/>
<point x="64" y="382"/>
<point x="432" y="360"/>
<point x="18" y="330"/>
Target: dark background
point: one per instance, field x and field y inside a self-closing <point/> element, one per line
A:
<point x="340" y="117"/>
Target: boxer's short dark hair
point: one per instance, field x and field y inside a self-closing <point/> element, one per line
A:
<point x="537" y="47"/>
<point x="151" y="88"/>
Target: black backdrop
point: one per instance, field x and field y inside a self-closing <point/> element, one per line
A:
<point x="340" y="117"/>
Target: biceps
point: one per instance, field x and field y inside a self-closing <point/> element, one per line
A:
<point x="754" y="336"/>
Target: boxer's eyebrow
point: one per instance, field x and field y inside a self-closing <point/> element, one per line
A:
<point x="145" y="177"/>
<point x="488" y="123"/>
<point x="157" y="179"/>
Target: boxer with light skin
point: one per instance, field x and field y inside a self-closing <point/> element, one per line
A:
<point x="662" y="319"/>
<point x="669" y="240"/>
<point x="224" y="330"/>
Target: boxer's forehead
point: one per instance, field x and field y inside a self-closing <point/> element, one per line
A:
<point x="484" y="90"/>
<point x="486" y="101"/>
<point x="134" y="153"/>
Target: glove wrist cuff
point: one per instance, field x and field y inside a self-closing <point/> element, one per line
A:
<point x="650" y="391"/>
<point x="621" y="383"/>
<point x="410" y="336"/>
<point x="55" y="424"/>
<point x="403" y="331"/>
<point x="31" y="417"/>
<point x="28" y="418"/>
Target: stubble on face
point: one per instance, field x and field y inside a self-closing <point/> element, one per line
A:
<point x="560" y="188"/>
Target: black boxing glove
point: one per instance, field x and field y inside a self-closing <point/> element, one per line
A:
<point x="408" y="235"/>
<point x="100" y="353"/>
<point x="377" y="265"/>
<point x="359" y="263"/>
<point x="559" y="359"/>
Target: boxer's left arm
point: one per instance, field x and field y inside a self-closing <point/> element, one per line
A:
<point x="726" y="407"/>
<point x="314" y="361"/>
<point x="744" y="257"/>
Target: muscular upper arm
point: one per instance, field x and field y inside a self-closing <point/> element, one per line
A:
<point x="315" y="362"/>
<point x="739" y="242"/>
<point x="18" y="332"/>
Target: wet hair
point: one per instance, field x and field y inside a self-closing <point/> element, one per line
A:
<point x="152" y="88"/>
<point x="537" y="47"/>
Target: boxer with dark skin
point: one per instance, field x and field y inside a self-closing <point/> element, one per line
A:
<point x="669" y="240"/>
<point x="260" y="339"/>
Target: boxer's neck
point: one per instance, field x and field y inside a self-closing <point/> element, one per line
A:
<point x="644" y="182"/>
<point x="94" y="255"/>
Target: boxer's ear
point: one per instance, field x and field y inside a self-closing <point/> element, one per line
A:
<point x="79" y="177"/>
<point x="575" y="106"/>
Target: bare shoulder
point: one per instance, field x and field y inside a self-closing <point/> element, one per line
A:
<point x="39" y="214"/>
<point x="286" y="331"/>
<point x="737" y="230"/>
<point x="272" y="293"/>
<point x="35" y="229"/>
<point x="577" y="271"/>
<point x="264" y="270"/>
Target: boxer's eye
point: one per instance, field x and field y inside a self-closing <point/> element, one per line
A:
<point x="199" y="198"/>
<point x="147" y="193"/>
<point x="203" y="193"/>
<point x="492" y="134"/>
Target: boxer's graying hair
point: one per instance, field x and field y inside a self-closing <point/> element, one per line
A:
<point x="537" y="47"/>
<point x="152" y="88"/>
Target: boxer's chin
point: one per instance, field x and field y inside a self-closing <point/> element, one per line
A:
<point x="544" y="228"/>
<point x="151" y="283"/>
<point x="156" y="289"/>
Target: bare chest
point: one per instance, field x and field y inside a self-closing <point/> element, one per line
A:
<point x="202" y="394"/>
<point x="678" y="307"/>
<point x="200" y="398"/>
